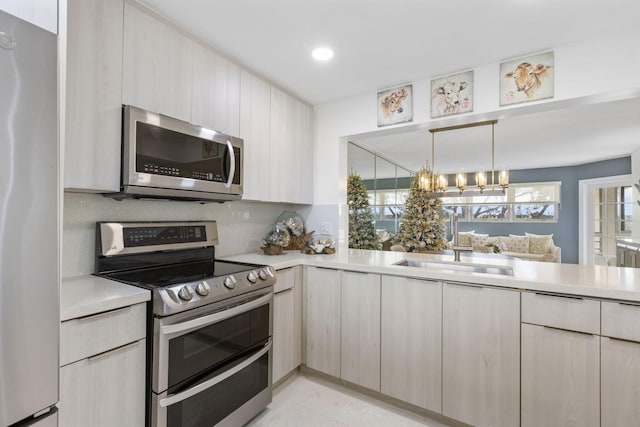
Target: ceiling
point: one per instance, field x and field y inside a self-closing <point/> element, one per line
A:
<point x="381" y="44"/>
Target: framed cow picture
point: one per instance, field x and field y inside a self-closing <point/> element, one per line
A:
<point x="452" y="94"/>
<point x="395" y="105"/>
<point x="527" y="79"/>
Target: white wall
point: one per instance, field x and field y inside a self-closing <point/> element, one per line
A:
<point x="608" y="64"/>
<point x="241" y="225"/>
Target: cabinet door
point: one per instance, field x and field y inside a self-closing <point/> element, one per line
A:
<point x="291" y="147"/>
<point x="411" y="364"/>
<point x="560" y="378"/>
<point x="93" y="107"/>
<point x="620" y="378"/>
<point x="255" y="130"/>
<point x="105" y="390"/>
<point x="360" y="342"/>
<point x="322" y="311"/>
<point x="481" y="355"/>
<point x="157" y="65"/>
<point x="216" y="91"/>
<point x="283" y="333"/>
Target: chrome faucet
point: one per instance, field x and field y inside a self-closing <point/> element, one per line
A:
<point x="453" y="225"/>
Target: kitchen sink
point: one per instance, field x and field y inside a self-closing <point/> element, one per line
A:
<point x="458" y="266"/>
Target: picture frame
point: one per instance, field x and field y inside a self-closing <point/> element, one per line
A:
<point x="527" y="79"/>
<point x="452" y="94"/>
<point x="395" y="105"/>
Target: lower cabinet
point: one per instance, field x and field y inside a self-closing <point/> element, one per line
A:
<point x="322" y="302"/>
<point x="360" y="329"/>
<point x="287" y="308"/>
<point x="102" y="377"/>
<point x="481" y="355"/>
<point x="104" y="390"/>
<point x="620" y="376"/>
<point x="411" y="334"/>
<point x="560" y="378"/>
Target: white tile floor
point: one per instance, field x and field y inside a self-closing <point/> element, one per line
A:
<point x="311" y="402"/>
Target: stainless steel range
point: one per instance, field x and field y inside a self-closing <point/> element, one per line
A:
<point x="209" y="326"/>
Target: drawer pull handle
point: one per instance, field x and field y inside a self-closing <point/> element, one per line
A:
<point x="558" y="296"/>
<point x="569" y="330"/>
<point x="105" y="314"/>
<point x="112" y="351"/>
<point x="629" y="304"/>
<point x="621" y="339"/>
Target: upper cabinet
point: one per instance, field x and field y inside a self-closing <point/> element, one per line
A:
<point x="291" y="149"/>
<point x="215" y="102"/>
<point x="93" y="101"/>
<point x="157" y="65"/>
<point x="43" y="13"/>
<point x="255" y="130"/>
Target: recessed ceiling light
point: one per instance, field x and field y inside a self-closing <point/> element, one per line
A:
<point x="322" y="54"/>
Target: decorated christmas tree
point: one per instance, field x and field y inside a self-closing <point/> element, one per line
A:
<point x="362" y="232"/>
<point x="423" y="227"/>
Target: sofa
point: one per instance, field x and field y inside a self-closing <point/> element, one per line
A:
<point x="533" y="247"/>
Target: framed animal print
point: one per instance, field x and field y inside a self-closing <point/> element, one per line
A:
<point x="395" y="105"/>
<point x="452" y="94"/>
<point x="527" y="79"/>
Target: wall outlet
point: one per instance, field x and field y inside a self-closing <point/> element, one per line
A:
<point x="326" y="228"/>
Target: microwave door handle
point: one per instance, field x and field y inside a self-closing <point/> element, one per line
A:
<point x="182" y="328"/>
<point x="232" y="162"/>
<point x="179" y="397"/>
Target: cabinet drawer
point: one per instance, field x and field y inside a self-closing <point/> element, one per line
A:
<point x="621" y="320"/>
<point x="571" y="313"/>
<point x="285" y="279"/>
<point x="91" y="335"/>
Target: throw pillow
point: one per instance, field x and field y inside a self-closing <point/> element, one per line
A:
<point x="519" y="244"/>
<point x="464" y="238"/>
<point x="507" y="242"/>
<point x="479" y="241"/>
<point x="540" y="243"/>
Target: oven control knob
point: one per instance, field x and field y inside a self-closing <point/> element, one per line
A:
<point x="264" y="274"/>
<point x="229" y="282"/>
<point x="252" y="277"/>
<point x="203" y="289"/>
<point x="185" y="293"/>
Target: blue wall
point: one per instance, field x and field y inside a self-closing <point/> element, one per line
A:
<point x="565" y="231"/>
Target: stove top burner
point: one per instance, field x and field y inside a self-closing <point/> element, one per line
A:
<point x="182" y="274"/>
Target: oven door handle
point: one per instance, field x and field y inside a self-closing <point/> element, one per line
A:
<point x="232" y="162"/>
<point x="179" y="397"/>
<point x="184" y="327"/>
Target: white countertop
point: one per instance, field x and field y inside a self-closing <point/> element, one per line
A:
<point x="87" y="295"/>
<point x="582" y="280"/>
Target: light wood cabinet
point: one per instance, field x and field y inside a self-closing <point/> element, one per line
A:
<point x="411" y="334"/>
<point x="93" y="102"/>
<point x="215" y="100"/>
<point x="43" y="13"/>
<point x="620" y="376"/>
<point x="105" y="390"/>
<point x="255" y="130"/>
<point x="157" y="65"/>
<point x="560" y="377"/>
<point x="360" y="329"/>
<point x="287" y="320"/>
<point x="291" y="149"/>
<point x="102" y="374"/>
<point x="322" y="308"/>
<point x="481" y="355"/>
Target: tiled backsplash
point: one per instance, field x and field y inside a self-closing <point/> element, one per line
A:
<point x="241" y="225"/>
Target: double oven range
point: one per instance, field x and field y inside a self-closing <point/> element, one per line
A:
<point x="210" y="322"/>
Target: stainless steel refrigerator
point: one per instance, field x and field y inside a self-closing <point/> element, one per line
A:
<point x="29" y="225"/>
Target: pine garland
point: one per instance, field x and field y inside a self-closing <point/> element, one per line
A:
<point x="423" y="227"/>
<point x="362" y="232"/>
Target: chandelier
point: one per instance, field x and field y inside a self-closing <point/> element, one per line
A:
<point x="437" y="185"/>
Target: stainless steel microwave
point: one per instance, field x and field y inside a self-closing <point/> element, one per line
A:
<point x="163" y="157"/>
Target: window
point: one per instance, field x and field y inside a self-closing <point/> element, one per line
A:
<point x="530" y="202"/>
